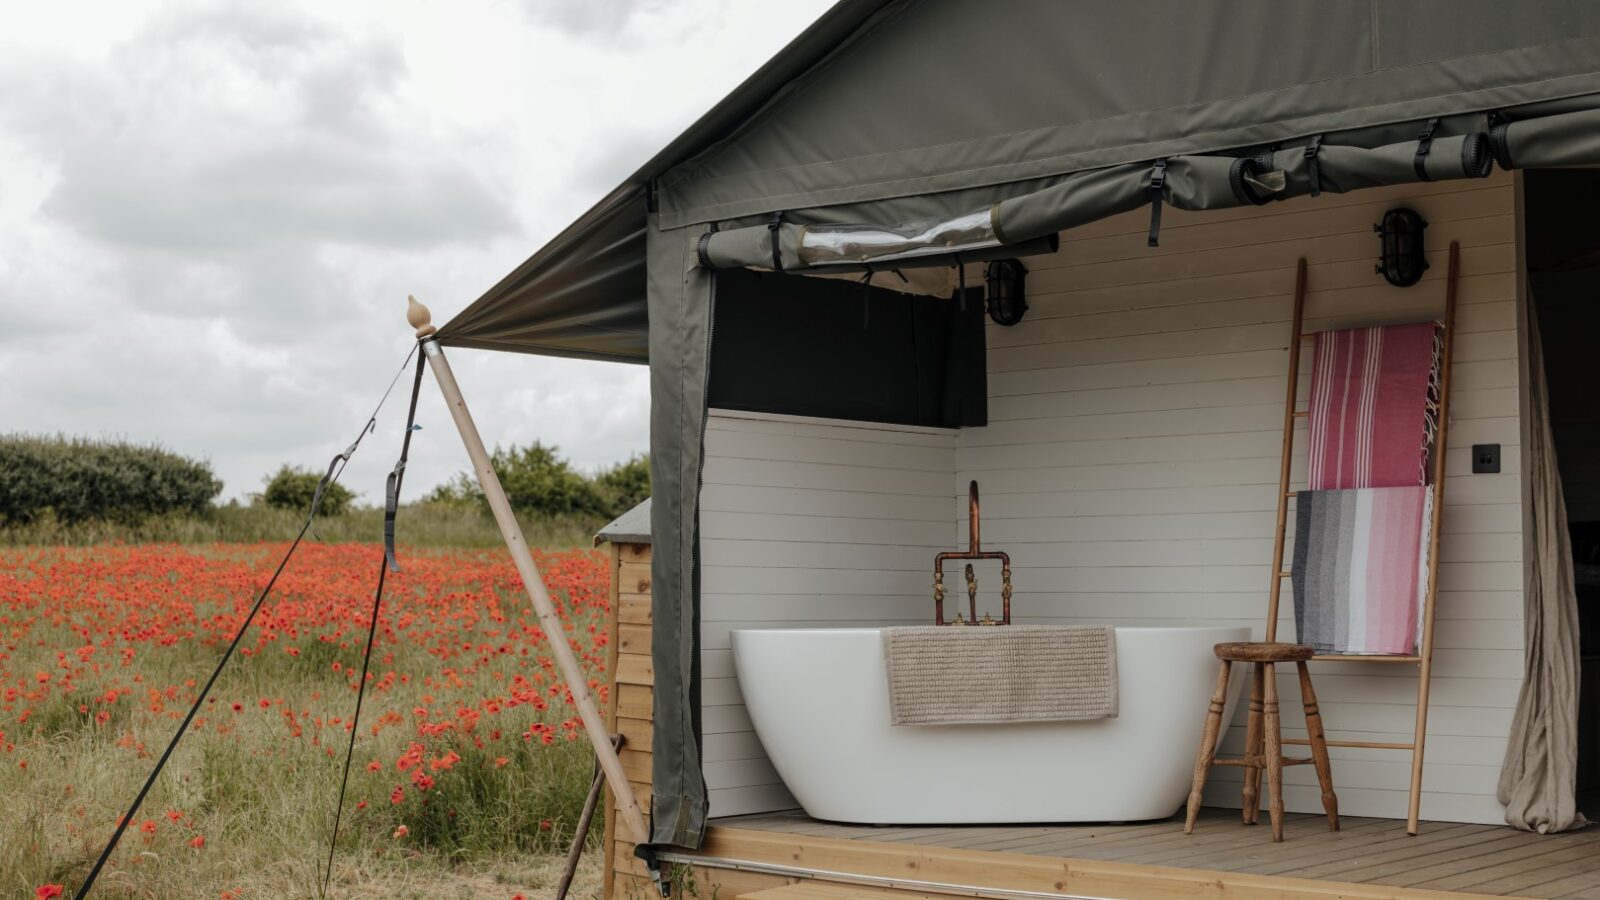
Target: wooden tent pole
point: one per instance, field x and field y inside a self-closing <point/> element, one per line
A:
<point x="555" y="632"/>
<point x="1288" y="449"/>
<point x="1414" y="809"/>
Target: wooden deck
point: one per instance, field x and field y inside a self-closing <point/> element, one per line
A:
<point x="1472" y="859"/>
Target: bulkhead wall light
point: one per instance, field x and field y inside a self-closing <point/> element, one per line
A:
<point x="1005" y="281"/>
<point x="1403" y="258"/>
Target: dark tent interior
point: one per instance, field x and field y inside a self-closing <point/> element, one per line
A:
<point x="838" y="349"/>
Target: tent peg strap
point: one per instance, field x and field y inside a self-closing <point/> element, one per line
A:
<point x="388" y="564"/>
<point x="1425" y="144"/>
<point x="1158" y="182"/>
<point x="1313" y="169"/>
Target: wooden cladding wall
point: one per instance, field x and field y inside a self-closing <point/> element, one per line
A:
<point x="808" y="522"/>
<point x="629" y="706"/>
<point x="1130" y="465"/>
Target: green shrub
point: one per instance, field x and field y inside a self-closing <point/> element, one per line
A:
<point x="77" y="479"/>
<point x="539" y="482"/>
<point x="625" y="485"/>
<point x="292" y="488"/>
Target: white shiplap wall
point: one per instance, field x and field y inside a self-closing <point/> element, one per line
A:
<point x="808" y="522"/>
<point x="1130" y="468"/>
<point x="1131" y="460"/>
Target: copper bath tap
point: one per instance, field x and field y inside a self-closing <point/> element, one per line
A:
<point x="974" y="551"/>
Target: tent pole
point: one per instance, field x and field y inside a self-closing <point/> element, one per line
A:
<point x="555" y="632"/>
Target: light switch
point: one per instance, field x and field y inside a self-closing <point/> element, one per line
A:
<point x="1485" y="459"/>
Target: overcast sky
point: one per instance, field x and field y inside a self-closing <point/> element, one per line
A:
<point x="211" y="213"/>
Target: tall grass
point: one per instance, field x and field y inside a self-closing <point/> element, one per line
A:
<point x="462" y="525"/>
<point x="266" y="809"/>
<point x="263" y="800"/>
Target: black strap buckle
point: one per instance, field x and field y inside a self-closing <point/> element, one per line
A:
<point x="1158" y="181"/>
<point x="1313" y="169"/>
<point x="1425" y="144"/>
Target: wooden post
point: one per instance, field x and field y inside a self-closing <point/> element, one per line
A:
<point x="1425" y="651"/>
<point x="555" y="632"/>
<point x="1288" y="445"/>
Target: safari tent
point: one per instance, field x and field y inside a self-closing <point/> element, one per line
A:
<point x="1067" y="251"/>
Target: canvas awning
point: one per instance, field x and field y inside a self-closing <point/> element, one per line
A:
<point x="927" y="102"/>
<point x="890" y="122"/>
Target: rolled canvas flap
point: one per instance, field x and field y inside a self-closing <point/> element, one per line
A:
<point x="1185" y="182"/>
<point x="751" y="248"/>
<point x="1569" y="139"/>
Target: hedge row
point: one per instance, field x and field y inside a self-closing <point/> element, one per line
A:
<point x="77" y="480"/>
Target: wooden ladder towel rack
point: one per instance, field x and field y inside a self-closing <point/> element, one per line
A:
<point x="1423" y="658"/>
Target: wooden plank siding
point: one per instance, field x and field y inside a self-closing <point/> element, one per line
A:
<point x="1130" y="465"/>
<point x="808" y="522"/>
<point x="629" y="707"/>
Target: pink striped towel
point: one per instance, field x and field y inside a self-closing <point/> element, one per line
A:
<point x="1374" y="402"/>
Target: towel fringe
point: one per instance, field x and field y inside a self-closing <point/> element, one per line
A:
<point x="1430" y="427"/>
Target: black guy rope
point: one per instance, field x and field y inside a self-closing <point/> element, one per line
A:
<point x="335" y="469"/>
<point x="390" y="508"/>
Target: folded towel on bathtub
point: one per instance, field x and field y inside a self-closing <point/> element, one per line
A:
<point x="1360" y="568"/>
<point x="962" y="675"/>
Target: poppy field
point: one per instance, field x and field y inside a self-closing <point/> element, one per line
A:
<point x="470" y="764"/>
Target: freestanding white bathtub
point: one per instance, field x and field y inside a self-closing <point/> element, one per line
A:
<point x="819" y="701"/>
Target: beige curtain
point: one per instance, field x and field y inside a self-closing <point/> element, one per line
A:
<point x="1538" y="782"/>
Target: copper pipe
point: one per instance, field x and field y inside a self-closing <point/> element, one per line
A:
<point x="972" y="516"/>
<point x="975" y="551"/>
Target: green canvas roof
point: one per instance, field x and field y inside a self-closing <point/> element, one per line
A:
<point x="886" y="99"/>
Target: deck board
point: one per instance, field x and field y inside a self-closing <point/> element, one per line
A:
<point x="1475" y="859"/>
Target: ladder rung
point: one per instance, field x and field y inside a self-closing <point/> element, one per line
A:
<point x="1259" y="762"/>
<point x="1292" y="494"/>
<point x="1358" y="745"/>
<point x="1301" y="413"/>
<point x="1357" y="657"/>
<point x="1285" y="573"/>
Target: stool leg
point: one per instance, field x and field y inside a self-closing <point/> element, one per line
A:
<point x="1252" y="747"/>
<point x="1274" y="749"/>
<point x="1208" y="746"/>
<point x="1319" y="748"/>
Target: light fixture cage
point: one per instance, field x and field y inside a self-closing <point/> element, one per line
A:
<point x="1403" y="257"/>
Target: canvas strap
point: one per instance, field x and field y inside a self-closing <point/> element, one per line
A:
<point x="390" y="507"/>
<point x="773" y="227"/>
<point x="1425" y="144"/>
<point x="1313" y="169"/>
<point x="1158" y="182"/>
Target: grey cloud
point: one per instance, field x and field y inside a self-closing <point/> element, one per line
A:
<point x="234" y="126"/>
<point x="590" y="17"/>
<point x="604" y="167"/>
<point x="239" y="196"/>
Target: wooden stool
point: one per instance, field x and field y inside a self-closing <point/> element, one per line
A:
<point x="1263" y="728"/>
